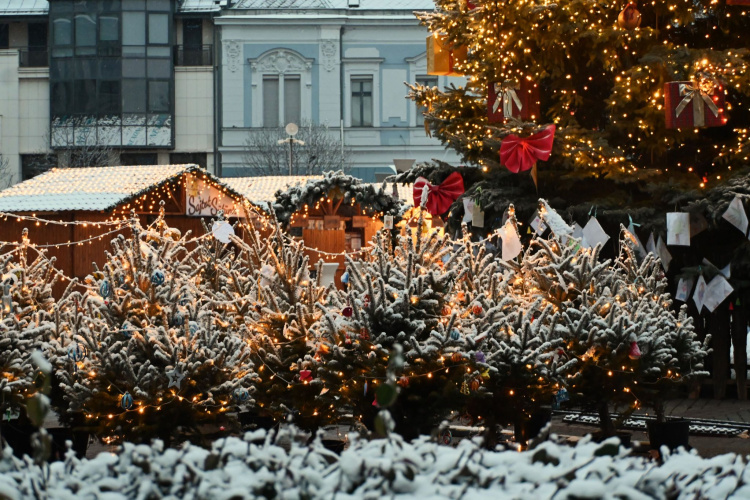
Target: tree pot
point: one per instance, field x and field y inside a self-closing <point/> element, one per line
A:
<point x="672" y="433"/>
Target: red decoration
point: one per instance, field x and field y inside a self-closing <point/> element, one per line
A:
<point x="630" y="17"/>
<point x="305" y="376"/>
<point x="438" y="199"/>
<point x="692" y="105"/>
<point x="521" y="154"/>
<point x="738" y="2"/>
<point x="474" y="385"/>
<point x="366" y="301"/>
<point x="446" y="311"/>
<point x="477" y="310"/>
<point x="347" y="311"/>
<point x="364" y="334"/>
<point x="456" y="357"/>
<point x="512" y="100"/>
<point x="403" y="381"/>
<point x="634" y="353"/>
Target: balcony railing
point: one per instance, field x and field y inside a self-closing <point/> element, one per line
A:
<point x="33" y="57"/>
<point x="193" y="55"/>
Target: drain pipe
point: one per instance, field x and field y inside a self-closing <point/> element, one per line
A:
<point x="217" y="97"/>
<point x="341" y="88"/>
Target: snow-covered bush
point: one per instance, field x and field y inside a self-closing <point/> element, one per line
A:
<point x="267" y="465"/>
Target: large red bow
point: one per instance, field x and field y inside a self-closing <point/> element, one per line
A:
<point x="438" y="199"/>
<point x="519" y="154"/>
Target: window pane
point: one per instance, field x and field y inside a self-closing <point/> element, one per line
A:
<point x="109" y="28"/>
<point x="133" y="28"/>
<point x="162" y="5"/>
<point x="356" y="110"/>
<point x="192" y="32"/>
<point x="158" y="96"/>
<point x="62" y="34"/>
<point x="134" y="96"/>
<point x="159" y="68"/>
<point x="4" y="35"/>
<point x="133" y="4"/>
<point x="158" y="28"/>
<point x="85" y="30"/>
<point x="271" y="101"/>
<point x="134" y="68"/>
<point x="361" y="102"/>
<point x="367" y="111"/>
<point x="37" y="35"/>
<point x="85" y="101"/>
<point x="159" y="52"/>
<point x="292" y="100"/>
<point x="109" y="98"/>
<point x="61" y="98"/>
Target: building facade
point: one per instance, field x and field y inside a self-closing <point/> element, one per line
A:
<point x="159" y="81"/>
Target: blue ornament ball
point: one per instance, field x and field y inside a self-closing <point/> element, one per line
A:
<point x="76" y="352"/>
<point x="126" y="329"/>
<point x="105" y="289"/>
<point x="126" y="401"/>
<point x="193" y="327"/>
<point x="240" y="395"/>
<point x="157" y="277"/>
<point x="345" y="277"/>
<point x="455" y="335"/>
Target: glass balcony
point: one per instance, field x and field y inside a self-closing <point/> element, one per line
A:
<point x="33" y="57"/>
<point x="193" y="55"/>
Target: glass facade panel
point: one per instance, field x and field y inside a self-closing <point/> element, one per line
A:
<point x="292" y="100"/>
<point x="111" y="73"/>
<point x="133" y="28"/>
<point x="158" y="28"/>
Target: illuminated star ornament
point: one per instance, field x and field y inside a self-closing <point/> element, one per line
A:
<point x="175" y="378"/>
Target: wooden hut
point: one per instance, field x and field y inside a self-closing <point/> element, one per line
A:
<point x="76" y="212"/>
<point x="332" y="214"/>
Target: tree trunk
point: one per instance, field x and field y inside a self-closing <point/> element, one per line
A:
<point x="739" y="340"/>
<point x="605" y="422"/>
<point x="718" y="327"/>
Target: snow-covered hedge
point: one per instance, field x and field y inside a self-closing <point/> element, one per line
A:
<point x="262" y="466"/>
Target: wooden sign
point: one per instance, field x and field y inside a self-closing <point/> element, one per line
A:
<point x="331" y="222"/>
<point x="360" y="220"/>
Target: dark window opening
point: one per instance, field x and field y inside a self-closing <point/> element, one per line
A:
<point x="362" y="102"/>
<point x="33" y="165"/>
<point x="139" y="158"/>
<point x="4" y="35"/>
<point x="200" y="159"/>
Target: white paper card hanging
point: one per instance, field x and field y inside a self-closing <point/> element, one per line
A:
<point x="388" y="222"/>
<point x="468" y="210"/>
<point x="222" y="230"/>
<point x="593" y="234"/>
<point x="511" y="242"/>
<point x="716" y="292"/>
<point x="663" y="253"/>
<point x="700" y="293"/>
<point x="651" y="245"/>
<point x="477" y="218"/>
<point x="736" y="215"/>
<point x="684" y="286"/>
<point x="678" y="229"/>
<point x="538" y="225"/>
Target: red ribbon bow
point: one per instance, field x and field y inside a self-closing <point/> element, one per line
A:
<point x="438" y="199"/>
<point x="519" y="154"/>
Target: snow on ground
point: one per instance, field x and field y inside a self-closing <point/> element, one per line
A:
<point x="275" y="466"/>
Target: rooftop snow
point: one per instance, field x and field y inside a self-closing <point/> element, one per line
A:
<point x="86" y="189"/>
<point x="336" y="4"/>
<point x="261" y="190"/>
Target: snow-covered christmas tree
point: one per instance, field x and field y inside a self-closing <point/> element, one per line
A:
<point x="145" y="353"/>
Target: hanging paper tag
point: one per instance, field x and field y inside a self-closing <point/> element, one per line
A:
<point x="511" y="242"/>
<point x="222" y="230"/>
<point x="663" y="254"/>
<point x="700" y="293"/>
<point x="678" y="229"/>
<point x="727" y="271"/>
<point x="736" y="215"/>
<point x="538" y="225"/>
<point x="650" y="245"/>
<point x="683" y="289"/>
<point x="468" y="210"/>
<point x="716" y="292"/>
<point x="639" y="248"/>
<point x="593" y="234"/>
<point x="477" y="216"/>
<point x="388" y="222"/>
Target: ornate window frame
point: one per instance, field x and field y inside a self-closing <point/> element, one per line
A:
<point x="279" y="62"/>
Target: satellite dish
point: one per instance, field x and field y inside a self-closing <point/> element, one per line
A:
<point x="291" y="129"/>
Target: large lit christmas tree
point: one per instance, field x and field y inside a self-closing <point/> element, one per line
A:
<point x="649" y="100"/>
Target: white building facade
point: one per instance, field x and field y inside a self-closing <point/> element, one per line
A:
<point x="162" y="82"/>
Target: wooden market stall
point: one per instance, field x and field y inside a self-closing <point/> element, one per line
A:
<point x="75" y="213"/>
<point x="332" y="214"/>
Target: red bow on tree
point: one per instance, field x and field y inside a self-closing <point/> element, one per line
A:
<point x="519" y="154"/>
<point x="438" y="199"/>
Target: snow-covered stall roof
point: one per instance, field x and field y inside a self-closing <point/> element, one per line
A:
<point x="23" y="7"/>
<point x="90" y="188"/>
<point x="261" y="190"/>
<point x="336" y="4"/>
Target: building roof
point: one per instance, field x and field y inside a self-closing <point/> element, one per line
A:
<point x="261" y="190"/>
<point x="90" y="188"/>
<point x="23" y="7"/>
<point x="409" y="5"/>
